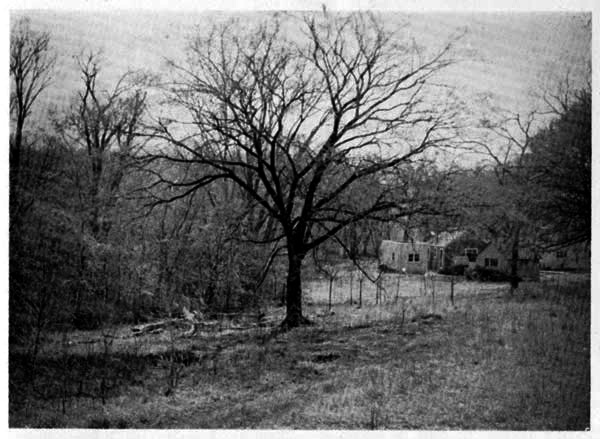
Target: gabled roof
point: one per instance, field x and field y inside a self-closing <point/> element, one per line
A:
<point x="445" y="238"/>
<point x="409" y="243"/>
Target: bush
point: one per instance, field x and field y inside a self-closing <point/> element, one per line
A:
<point x="386" y="269"/>
<point x="487" y="275"/>
<point x="86" y="319"/>
<point x="454" y="270"/>
<point x="94" y="315"/>
<point x="99" y="423"/>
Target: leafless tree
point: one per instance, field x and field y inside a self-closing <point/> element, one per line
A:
<point x="103" y="124"/>
<point x="31" y="65"/>
<point x="506" y="143"/>
<point x="541" y="161"/>
<point x="297" y="123"/>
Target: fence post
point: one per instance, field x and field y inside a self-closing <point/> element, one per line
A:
<point x="351" y="279"/>
<point x="452" y="290"/>
<point x="360" y="283"/>
<point x="432" y="280"/>
<point x="330" y="285"/>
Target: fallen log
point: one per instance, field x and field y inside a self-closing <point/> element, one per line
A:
<point x="154" y="327"/>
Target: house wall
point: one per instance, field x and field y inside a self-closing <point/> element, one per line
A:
<point x="455" y="250"/>
<point x="491" y="251"/>
<point x="527" y="268"/>
<point x="395" y="255"/>
<point x="575" y="257"/>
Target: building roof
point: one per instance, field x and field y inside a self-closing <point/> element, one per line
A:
<point x="444" y="238"/>
<point x="413" y="243"/>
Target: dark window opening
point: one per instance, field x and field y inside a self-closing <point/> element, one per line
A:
<point x="471" y="254"/>
<point x="413" y="257"/>
<point x="491" y="262"/>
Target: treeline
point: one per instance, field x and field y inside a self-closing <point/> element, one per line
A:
<point x="91" y="242"/>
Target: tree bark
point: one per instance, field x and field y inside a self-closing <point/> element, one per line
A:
<point x="293" y="303"/>
<point x="514" y="265"/>
<point x="16" y="153"/>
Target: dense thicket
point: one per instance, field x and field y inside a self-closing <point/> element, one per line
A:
<point x="561" y="165"/>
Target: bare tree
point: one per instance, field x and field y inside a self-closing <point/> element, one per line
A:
<point x="103" y="124"/>
<point x="298" y="123"/>
<point x="541" y="162"/>
<point x="31" y="65"/>
<point x="506" y="143"/>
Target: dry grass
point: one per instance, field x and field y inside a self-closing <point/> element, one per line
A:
<point x="491" y="362"/>
<point x="394" y="287"/>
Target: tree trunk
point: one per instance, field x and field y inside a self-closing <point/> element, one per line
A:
<point x="293" y="302"/>
<point x="514" y="264"/>
<point x="16" y="152"/>
<point x="330" y="289"/>
<point x="351" y="279"/>
<point x="360" y="282"/>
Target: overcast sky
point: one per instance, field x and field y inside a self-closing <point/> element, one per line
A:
<point x="504" y="58"/>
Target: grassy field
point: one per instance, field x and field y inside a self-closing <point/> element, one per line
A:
<point x="491" y="361"/>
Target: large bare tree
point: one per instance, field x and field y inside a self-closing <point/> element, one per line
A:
<point x="298" y="111"/>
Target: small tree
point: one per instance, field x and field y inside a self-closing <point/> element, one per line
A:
<point x="298" y="123"/>
<point x="31" y="65"/>
<point x="102" y="126"/>
<point x="540" y="174"/>
<point x="506" y="180"/>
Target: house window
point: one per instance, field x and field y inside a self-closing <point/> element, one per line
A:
<point x="491" y="262"/>
<point x="561" y="254"/>
<point x="471" y="254"/>
<point x="393" y="256"/>
<point x="413" y="257"/>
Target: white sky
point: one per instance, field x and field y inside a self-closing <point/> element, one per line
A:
<point x="504" y="55"/>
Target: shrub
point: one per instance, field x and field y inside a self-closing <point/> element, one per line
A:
<point x="487" y="275"/>
<point x="99" y="422"/>
<point x="454" y="270"/>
